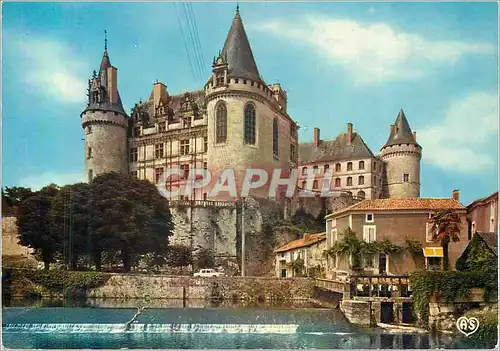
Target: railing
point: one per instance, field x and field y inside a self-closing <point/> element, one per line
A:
<point x="331" y="285"/>
<point x="202" y="203"/>
<point x="380" y="286"/>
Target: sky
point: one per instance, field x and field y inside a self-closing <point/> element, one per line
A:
<point x="338" y="62"/>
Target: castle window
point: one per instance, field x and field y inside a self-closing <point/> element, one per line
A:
<point x="326" y="168"/>
<point x="159" y="150"/>
<point x="304" y="170"/>
<point x="136" y="132"/>
<point x="185" y="147"/>
<point x="91" y="175"/>
<point x="349" y="181"/>
<point x="361" y="195"/>
<point x="361" y="165"/>
<point x="249" y="124"/>
<point x="337" y="182"/>
<point x="158" y="174"/>
<point x="221" y="124"/>
<point x="205" y="165"/>
<point x="349" y="166"/>
<point x="338" y="167"/>
<point x="292" y="152"/>
<point x="315" y="169"/>
<point x="133" y="155"/>
<point x="161" y="127"/>
<point x="275" y="137"/>
<point x="219" y="80"/>
<point x="89" y="129"/>
<point x="315" y="184"/>
<point x="236" y="80"/>
<point x="205" y="144"/>
<point x="375" y="165"/>
<point x="361" y="180"/>
<point x="406" y="177"/>
<point x="185" y="171"/>
<point x="89" y="152"/>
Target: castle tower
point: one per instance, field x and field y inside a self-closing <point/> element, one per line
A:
<point x="248" y="126"/>
<point x="104" y="123"/>
<point x="401" y="154"/>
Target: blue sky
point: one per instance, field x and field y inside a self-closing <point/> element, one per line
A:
<point x="339" y="62"/>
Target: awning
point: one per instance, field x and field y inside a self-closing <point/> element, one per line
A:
<point x="433" y="251"/>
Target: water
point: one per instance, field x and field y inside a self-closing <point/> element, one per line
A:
<point x="31" y="327"/>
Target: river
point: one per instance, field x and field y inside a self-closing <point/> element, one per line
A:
<point x="100" y="324"/>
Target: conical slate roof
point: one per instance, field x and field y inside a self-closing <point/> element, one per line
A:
<point x="401" y="133"/>
<point x="238" y="52"/>
<point x="105" y="62"/>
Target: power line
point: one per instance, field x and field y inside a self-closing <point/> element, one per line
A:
<point x="197" y="37"/>
<point x="184" y="41"/>
<point x="192" y="35"/>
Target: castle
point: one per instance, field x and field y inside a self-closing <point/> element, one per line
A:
<point x="235" y="121"/>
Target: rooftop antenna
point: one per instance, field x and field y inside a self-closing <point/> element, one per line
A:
<point x="105" y="40"/>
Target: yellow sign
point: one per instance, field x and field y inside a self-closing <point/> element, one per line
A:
<point x="433" y="251"/>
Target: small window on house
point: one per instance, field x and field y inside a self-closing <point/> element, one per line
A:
<point x="349" y="166"/>
<point x="338" y="167"/>
<point x="303" y="184"/>
<point x="315" y="184"/>
<point x="361" y="180"/>
<point x="159" y="150"/>
<point x="369" y="217"/>
<point x="89" y="152"/>
<point x="292" y="153"/>
<point x="327" y="167"/>
<point x="185" y="147"/>
<point x="429" y="237"/>
<point x="349" y="181"/>
<point x="406" y="177"/>
<point x="315" y="169"/>
<point x="369" y="259"/>
<point x="361" y="165"/>
<point x="133" y="155"/>
<point x="337" y="182"/>
<point x="304" y="170"/>
<point x="375" y="165"/>
<point x="369" y="233"/>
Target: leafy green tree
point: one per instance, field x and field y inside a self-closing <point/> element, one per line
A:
<point x="204" y="258"/>
<point x="15" y="195"/>
<point x="446" y="229"/>
<point x="128" y="215"/>
<point x="36" y="225"/>
<point x="179" y="256"/>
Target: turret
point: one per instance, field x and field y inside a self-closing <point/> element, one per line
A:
<point x="401" y="154"/>
<point x="105" y="123"/>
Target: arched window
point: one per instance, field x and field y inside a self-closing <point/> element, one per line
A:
<point x="361" y="194"/>
<point x="275" y="137"/>
<point x="249" y="124"/>
<point x="221" y="124"/>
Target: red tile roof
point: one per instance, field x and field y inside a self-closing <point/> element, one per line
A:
<point x="306" y="240"/>
<point x="410" y="204"/>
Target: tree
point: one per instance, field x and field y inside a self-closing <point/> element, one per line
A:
<point x="15" y="195"/>
<point x="36" y="224"/>
<point x="179" y="256"/>
<point x="205" y="258"/>
<point x="351" y="246"/>
<point x="128" y="215"/>
<point x="446" y="229"/>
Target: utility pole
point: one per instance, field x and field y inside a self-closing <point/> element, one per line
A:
<point x="243" y="237"/>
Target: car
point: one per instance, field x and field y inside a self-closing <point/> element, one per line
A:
<point x="208" y="273"/>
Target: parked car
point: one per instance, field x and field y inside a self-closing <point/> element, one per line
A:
<point x="208" y="273"/>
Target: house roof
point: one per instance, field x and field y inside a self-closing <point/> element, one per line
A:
<point x="401" y="133"/>
<point x="491" y="239"/>
<point x="334" y="150"/>
<point x="482" y="201"/>
<point x="238" y="52"/>
<point x="306" y="240"/>
<point x="409" y="204"/>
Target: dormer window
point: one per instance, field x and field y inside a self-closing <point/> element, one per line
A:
<point x="219" y="80"/>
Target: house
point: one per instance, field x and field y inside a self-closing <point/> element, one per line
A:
<point x="394" y="221"/>
<point x="306" y="252"/>
<point x="480" y="253"/>
<point x="482" y="215"/>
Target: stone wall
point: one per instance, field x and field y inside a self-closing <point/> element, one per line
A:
<point x="356" y="312"/>
<point x="12" y="252"/>
<point x="226" y="288"/>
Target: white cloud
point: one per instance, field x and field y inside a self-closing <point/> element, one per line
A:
<point x="52" y="68"/>
<point x="37" y="182"/>
<point x="466" y="139"/>
<point x="376" y="52"/>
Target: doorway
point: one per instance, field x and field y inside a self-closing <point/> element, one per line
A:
<point x="407" y="313"/>
<point x="387" y="312"/>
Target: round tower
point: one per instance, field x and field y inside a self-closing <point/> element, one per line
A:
<point x="248" y="127"/>
<point x="105" y="124"/>
<point x="401" y="154"/>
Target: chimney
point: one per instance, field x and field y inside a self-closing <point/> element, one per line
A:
<point x="316" y="137"/>
<point x="349" y="134"/>
<point x="112" y="85"/>
<point x="455" y="195"/>
<point x="415" y="136"/>
<point x="159" y="92"/>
